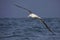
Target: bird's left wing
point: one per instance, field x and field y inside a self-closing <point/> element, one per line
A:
<point x="45" y="25"/>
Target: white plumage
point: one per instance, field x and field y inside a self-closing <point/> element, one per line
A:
<point x="32" y="15"/>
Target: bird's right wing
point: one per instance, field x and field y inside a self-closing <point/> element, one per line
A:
<point x="23" y="8"/>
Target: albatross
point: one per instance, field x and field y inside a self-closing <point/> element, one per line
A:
<point x="34" y="16"/>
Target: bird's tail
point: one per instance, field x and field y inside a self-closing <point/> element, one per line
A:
<point x="23" y="8"/>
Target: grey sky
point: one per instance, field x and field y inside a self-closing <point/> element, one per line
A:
<point x="43" y="8"/>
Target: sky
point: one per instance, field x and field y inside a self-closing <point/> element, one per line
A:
<point x="43" y="8"/>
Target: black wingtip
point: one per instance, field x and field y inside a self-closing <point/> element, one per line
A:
<point x="47" y="26"/>
<point x="23" y="8"/>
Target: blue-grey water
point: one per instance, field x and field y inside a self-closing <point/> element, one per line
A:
<point x="28" y="29"/>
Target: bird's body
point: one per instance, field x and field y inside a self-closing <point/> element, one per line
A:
<point x="33" y="15"/>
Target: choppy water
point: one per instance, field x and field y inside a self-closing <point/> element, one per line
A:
<point x="28" y="29"/>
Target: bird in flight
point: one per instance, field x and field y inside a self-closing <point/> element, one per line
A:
<point x="34" y="16"/>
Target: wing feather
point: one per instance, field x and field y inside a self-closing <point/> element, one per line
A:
<point x="46" y="25"/>
<point x="23" y="8"/>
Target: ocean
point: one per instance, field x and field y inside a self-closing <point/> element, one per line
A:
<point x="28" y="29"/>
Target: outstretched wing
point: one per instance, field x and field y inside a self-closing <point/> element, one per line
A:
<point x="23" y="8"/>
<point x="46" y="25"/>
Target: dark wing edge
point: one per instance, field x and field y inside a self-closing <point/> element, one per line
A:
<point x="46" y="26"/>
<point x="23" y="8"/>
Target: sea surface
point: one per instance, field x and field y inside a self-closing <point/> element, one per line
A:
<point x="29" y="29"/>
